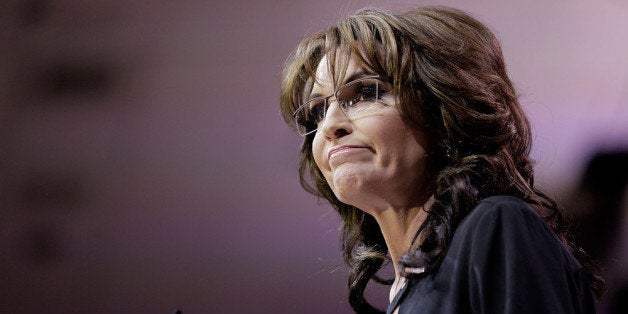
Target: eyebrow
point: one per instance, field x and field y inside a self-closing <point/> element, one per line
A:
<point x="356" y="75"/>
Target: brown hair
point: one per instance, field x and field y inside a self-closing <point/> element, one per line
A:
<point x="449" y="78"/>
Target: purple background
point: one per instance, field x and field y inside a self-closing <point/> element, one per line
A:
<point x="144" y="164"/>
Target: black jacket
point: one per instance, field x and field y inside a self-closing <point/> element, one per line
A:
<point x="503" y="258"/>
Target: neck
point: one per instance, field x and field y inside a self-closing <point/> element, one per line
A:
<point x="399" y="226"/>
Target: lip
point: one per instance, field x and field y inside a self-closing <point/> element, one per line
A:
<point x="343" y="149"/>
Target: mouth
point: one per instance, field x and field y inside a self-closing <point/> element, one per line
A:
<point x="340" y="150"/>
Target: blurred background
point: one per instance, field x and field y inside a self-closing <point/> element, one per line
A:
<point x="144" y="165"/>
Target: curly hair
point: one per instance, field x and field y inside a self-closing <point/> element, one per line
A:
<point x="449" y="79"/>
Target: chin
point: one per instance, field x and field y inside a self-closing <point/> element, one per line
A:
<point x="350" y="184"/>
<point x="345" y="181"/>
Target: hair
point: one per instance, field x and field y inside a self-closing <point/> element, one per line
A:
<point x="449" y="79"/>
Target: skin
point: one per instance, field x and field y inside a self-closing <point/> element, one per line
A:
<point x="377" y="163"/>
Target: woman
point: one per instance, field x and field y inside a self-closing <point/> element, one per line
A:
<point x="414" y="134"/>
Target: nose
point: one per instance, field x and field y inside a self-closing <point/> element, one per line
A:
<point x="336" y="124"/>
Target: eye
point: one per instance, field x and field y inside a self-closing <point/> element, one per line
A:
<point x="357" y="91"/>
<point x="368" y="91"/>
<point x="316" y="110"/>
<point x="302" y="123"/>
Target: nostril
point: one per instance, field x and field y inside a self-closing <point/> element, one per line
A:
<point x="340" y="132"/>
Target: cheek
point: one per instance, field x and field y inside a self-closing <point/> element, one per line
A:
<point x="401" y="149"/>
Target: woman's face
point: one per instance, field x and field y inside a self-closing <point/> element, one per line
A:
<point x="375" y="161"/>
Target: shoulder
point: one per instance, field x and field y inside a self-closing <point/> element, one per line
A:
<point x="504" y="227"/>
<point x="504" y="215"/>
<point x="502" y="207"/>
<point x="507" y="227"/>
<point x="503" y="200"/>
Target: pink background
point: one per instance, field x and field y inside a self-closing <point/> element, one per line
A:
<point x="170" y="180"/>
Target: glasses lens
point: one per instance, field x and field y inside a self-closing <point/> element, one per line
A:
<point x="309" y="115"/>
<point x="352" y="98"/>
<point x="358" y="95"/>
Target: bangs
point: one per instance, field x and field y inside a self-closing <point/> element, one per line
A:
<point x="361" y="37"/>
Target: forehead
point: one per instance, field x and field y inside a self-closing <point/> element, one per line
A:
<point x="324" y="81"/>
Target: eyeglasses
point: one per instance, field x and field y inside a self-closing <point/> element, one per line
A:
<point x="353" y="98"/>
